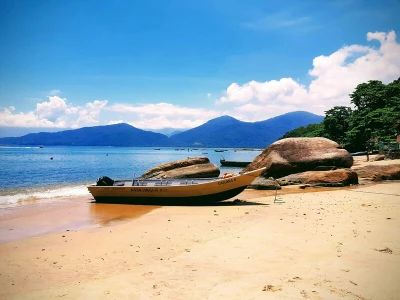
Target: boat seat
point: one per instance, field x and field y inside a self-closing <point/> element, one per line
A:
<point x="162" y="182"/>
<point x="139" y="183"/>
<point x="188" y="182"/>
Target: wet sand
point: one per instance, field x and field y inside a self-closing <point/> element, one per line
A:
<point x="62" y="214"/>
<point x="311" y="244"/>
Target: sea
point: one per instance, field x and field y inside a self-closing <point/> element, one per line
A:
<point x="39" y="173"/>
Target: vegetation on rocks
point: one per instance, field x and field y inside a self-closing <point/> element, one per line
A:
<point x="375" y="116"/>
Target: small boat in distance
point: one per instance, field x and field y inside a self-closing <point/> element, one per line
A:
<point x="233" y="163"/>
<point x="183" y="191"/>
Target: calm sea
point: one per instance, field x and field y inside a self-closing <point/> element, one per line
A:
<point x="43" y="173"/>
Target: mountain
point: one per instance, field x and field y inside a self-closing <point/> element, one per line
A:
<point x="20" y="131"/>
<point x="122" y="135"/>
<point x="224" y="131"/>
<point x="167" y="131"/>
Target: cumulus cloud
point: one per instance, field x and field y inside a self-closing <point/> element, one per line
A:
<point x="162" y="115"/>
<point x="52" y="109"/>
<point x="90" y="114"/>
<point x="334" y="77"/>
<point x="55" y="113"/>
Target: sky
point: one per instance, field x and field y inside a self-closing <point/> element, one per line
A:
<point x="179" y="63"/>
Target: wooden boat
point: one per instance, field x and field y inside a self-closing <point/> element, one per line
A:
<point x="233" y="163"/>
<point x="172" y="191"/>
<point x="362" y="153"/>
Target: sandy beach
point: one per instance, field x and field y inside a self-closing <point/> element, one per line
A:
<point x="309" y="244"/>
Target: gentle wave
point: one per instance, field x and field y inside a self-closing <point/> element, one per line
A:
<point x="32" y="195"/>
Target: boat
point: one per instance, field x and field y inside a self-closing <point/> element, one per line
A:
<point x="186" y="191"/>
<point x="220" y="150"/>
<point x="233" y="163"/>
<point x="359" y="153"/>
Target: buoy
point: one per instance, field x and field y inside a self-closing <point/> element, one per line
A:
<point x="228" y="175"/>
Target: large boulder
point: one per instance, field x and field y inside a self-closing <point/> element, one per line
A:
<point x="379" y="172"/>
<point x="195" y="167"/>
<point x="261" y="183"/>
<point x="295" y="155"/>
<point x="342" y="177"/>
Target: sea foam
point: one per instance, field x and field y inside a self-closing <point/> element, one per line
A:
<point x="26" y="196"/>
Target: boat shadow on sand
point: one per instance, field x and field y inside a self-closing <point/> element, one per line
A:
<point x="180" y="202"/>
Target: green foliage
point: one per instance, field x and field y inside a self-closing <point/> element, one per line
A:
<point x="311" y="130"/>
<point x="376" y="117"/>
<point x="377" y="114"/>
<point x="336" y="123"/>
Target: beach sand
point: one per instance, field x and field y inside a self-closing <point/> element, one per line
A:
<point x="310" y="244"/>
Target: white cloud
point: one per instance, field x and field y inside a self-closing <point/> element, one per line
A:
<point x="161" y="109"/>
<point x="335" y="77"/>
<point x="162" y="115"/>
<point x="90" y="114"/>
<point x="164" y="122"/>
<point x="52" y="109"/>
<point x="278" y="20"/>
<point x="54" y="92"/>
<point x="55" y="112"/>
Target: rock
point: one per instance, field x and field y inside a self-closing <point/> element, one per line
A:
<point x="379" y="157"/>
<point x="196" y="167"/>
<point x="261" y="183"/>
<point x="340" y="177"/>
<point x="379" y="172"/>
<point x="295" y="155"/>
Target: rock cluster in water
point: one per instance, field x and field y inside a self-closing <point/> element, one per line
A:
<point x="195" y="167"/>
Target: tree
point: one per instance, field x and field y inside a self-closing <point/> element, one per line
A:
<point x="311" y="130"/>
<point x="369" y="96"/>
<point x="376" y="115"/>
<point x="336" y="123"/>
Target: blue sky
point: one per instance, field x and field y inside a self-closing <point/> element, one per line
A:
<point x="158" y="64"/>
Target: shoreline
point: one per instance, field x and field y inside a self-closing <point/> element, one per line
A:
<point x="314" y="244"/>
<point x="36" y="217"/>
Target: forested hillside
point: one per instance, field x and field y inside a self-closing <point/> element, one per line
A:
<point x="375" y="116"/>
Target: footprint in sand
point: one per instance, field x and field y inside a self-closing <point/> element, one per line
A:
<point x="304" y="294"/>
<point x="271" y="288"/>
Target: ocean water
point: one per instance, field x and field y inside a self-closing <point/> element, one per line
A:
<point x="30" y="173"/>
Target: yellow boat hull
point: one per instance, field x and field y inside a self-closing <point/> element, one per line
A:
<point x="209" y="191"/>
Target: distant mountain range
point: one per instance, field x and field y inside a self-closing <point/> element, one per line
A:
<point x="223" y="131"/>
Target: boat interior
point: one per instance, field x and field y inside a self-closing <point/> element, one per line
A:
<point x="162" y="182"/>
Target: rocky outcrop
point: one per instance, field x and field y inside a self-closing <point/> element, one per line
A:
<point x="261" y="183"/>
<point x="196" y="167"/>
<point x="379" y="157"/>
<point x="379" y="172"/>
<point x="295" y="155"/>
<point x="340" y="177"/>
